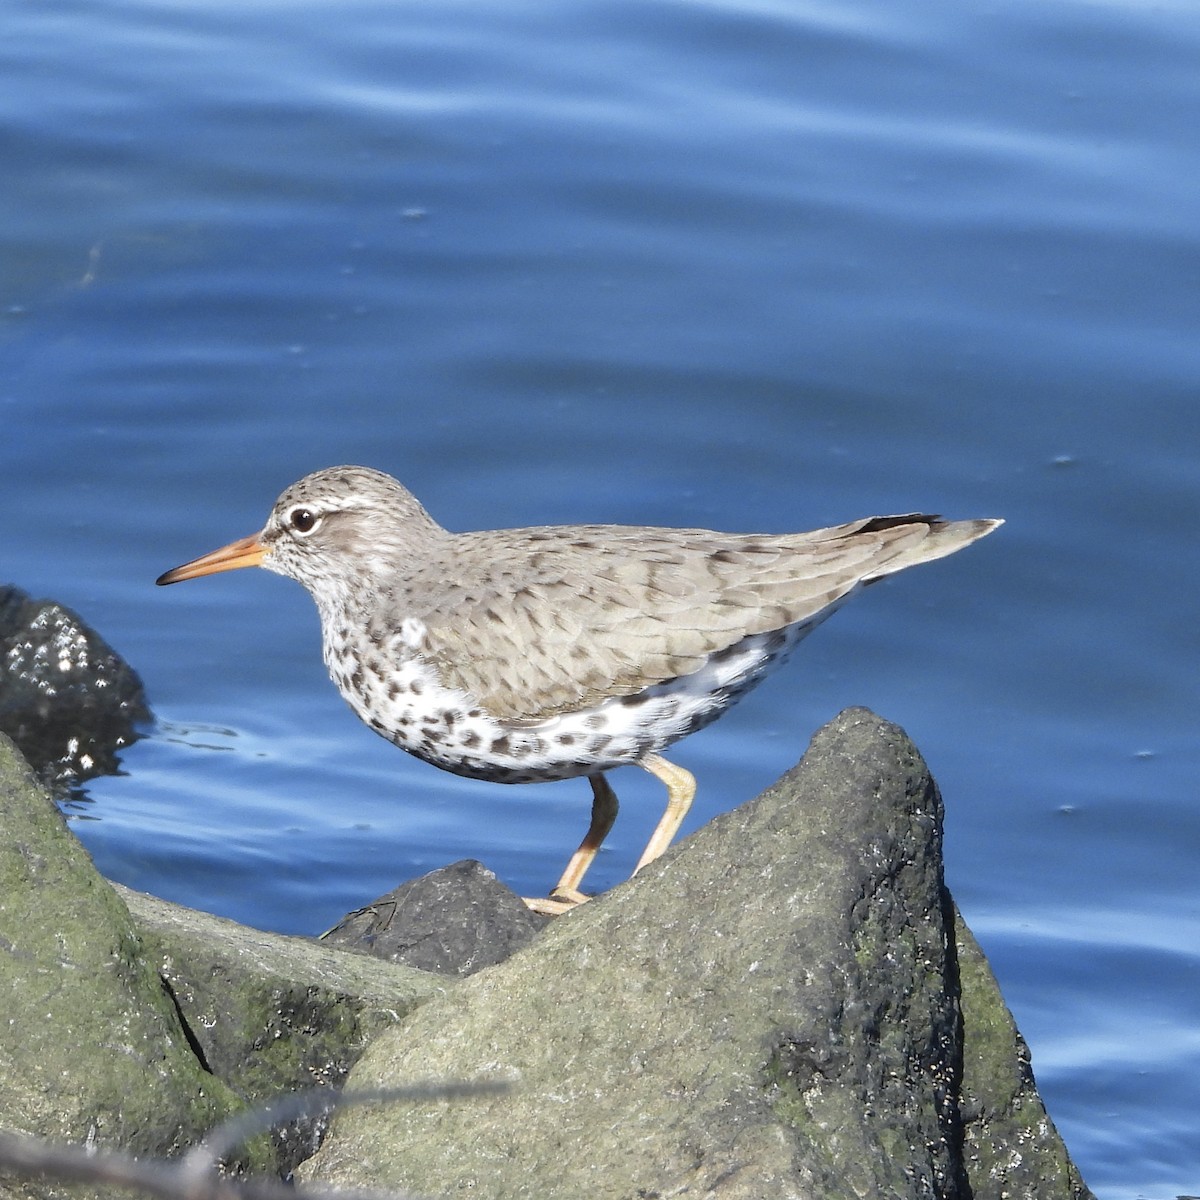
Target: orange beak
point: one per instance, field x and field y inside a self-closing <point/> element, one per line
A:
<point x="246" y="552"/>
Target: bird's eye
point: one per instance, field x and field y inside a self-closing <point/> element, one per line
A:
<point x="302" y="520"/>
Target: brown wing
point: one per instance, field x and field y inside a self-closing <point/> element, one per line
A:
<point x="535" y="622"/>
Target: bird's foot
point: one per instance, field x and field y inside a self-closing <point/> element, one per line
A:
<point x="559" y="901"/>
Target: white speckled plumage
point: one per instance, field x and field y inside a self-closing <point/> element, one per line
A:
<point x="520" y="655"/>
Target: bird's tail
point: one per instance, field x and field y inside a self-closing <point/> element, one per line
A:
<point x="941" y="538"/>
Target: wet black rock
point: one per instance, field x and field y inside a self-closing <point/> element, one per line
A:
<point x="454" y="921"/>
<point x="67" y="699"/>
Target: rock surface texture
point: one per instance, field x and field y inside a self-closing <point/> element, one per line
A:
<point x="771" y="1010"/>
<point x="269" y="1015"/>
<point x="130" y="1024"/>
<point x="785" y="1005"/>
<point x="91" y="1048"/>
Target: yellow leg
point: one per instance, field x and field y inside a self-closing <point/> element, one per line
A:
<point x="681" y="789"/>
<point x="566" y="893"/>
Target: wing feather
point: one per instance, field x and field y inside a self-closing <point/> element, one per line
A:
<point x="532" y="623"/>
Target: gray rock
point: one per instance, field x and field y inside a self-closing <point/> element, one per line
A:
<point x="137" y="1025"/>
<point x="1010" y="1146"/>
<point x="91" y="1048"/>
<point x="770" y="1010"/>
<point x="67" y="699"/>
<point x="270" y="1015"/>
<point x="455" y="921"/>
<point x="785" y="1005"/>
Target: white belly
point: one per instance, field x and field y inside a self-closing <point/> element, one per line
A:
<point x="399" y="696"/>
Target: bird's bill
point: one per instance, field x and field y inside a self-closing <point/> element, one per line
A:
<point x="245" y="552"/>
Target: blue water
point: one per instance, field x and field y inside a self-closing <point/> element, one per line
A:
<point x="754" y="266"/>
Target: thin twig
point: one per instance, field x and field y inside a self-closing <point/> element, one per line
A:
<point x="195" y="1177"/>
<point x="203" y="1159"/>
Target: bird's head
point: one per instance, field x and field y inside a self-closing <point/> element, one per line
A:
<point x="337" y="531"/>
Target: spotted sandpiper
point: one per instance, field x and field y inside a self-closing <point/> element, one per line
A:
<point x="525" y="655"/>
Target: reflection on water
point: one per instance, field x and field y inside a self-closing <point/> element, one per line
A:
<point x="197" y="736"/>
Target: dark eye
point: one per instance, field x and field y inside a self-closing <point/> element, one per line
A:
<point x="302" y="520"/>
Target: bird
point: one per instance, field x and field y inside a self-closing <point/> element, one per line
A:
<point x="552" y="652"/>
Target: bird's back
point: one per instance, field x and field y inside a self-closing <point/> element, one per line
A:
<point x="536" y="622"/>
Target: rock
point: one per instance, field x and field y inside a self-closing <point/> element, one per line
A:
<point x="1009" y="1144"/>
<point x="268" y="1014"/>
<point x="137" y="1025"/>
<point x="455" y="920"/>
<point x="91" y="1047"/>
<point x="786" y="1005"/>
<point x="770" y="1010"/>
<point x="67" y="698"/>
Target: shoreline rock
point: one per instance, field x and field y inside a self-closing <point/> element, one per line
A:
<point x="786" y="1004"/>
<point x="269" y="1014"/>
<point x="770" y="1010"/>
<point x="91" y="1050"/>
